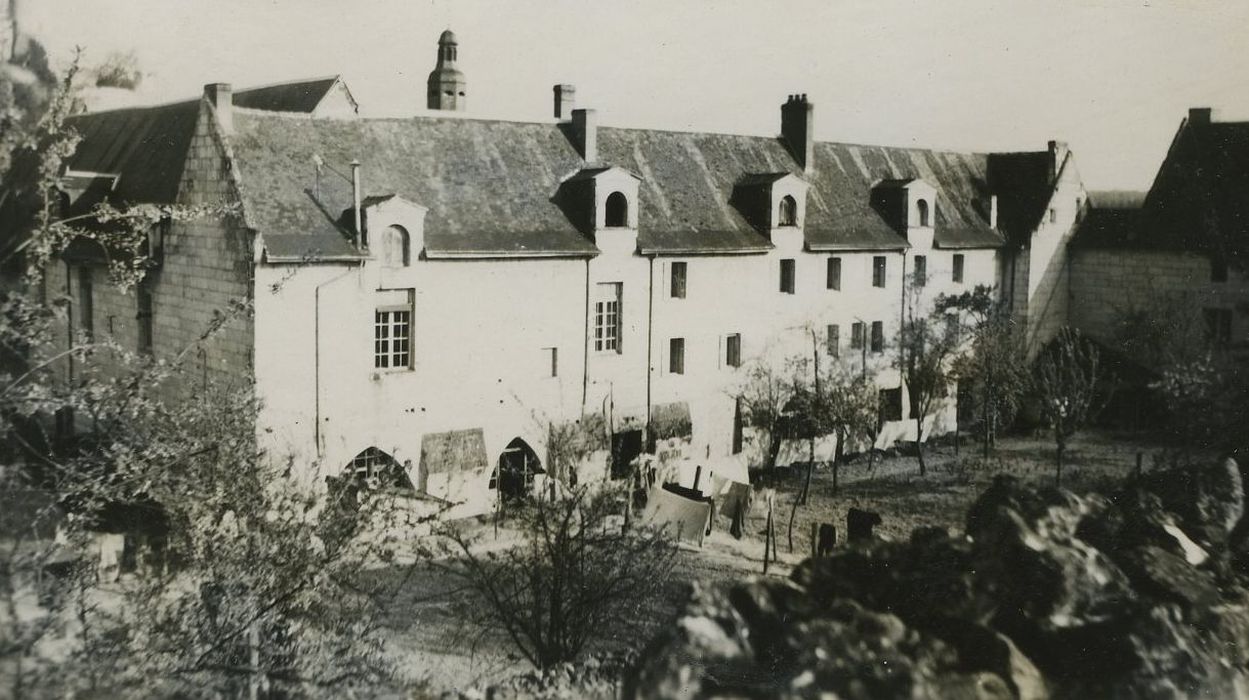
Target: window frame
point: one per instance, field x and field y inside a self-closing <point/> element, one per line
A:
<point x="787" y="212"/>
<point x="858" y="335"/>
<point x="387" y="317"/>
<point x="676" y="356"/>
<point x="145" y="304"/>
<point x="959" y="268"/>
<point x="678" y="276"/>
<point x="733" y="350"/>
<point x="921" y="207"/>
<point x="608" y="343"/>
<point x="880" y="271"/>
<point x="404" y="247"/>
<point x="832" y="340"/>
<point x="921" y="270"/>
<point x="832" y="273"/>
<point x="610" y="221"/>
<point x="789" y="275"/>
<point x="878" y="337"/>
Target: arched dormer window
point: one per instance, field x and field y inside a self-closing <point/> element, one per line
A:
<point x="394" y="248"/>
<point x="617" y="211"/>
<point x="922" y="207"/>
<point x="788" y="214"/>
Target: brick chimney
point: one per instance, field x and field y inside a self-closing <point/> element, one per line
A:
<point x="798" y="130"/>
<point x="585" y="131"/>
<point x="1058" y="154"/>
<point x="993" y="211"/>
<point x="565" y="100"/>
<point x="221" y="95"/>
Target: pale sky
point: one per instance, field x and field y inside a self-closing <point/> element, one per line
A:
<point x="1112" y="78"/>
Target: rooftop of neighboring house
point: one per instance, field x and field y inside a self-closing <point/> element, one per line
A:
<point x="1199" y="200"/>
<point x="492" y="185"/>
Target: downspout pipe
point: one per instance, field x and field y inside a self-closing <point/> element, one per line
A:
<point x="650" y="341"/>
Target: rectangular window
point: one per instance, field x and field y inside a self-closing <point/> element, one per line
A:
<point x="677" y="288"/>
<point x="878" y="336"/>
<point x="833" y="340"/>
<point x="1218" y="270"/>
<point x="856" y="335"/>
<point x="392" y="338"/>
<point x="676" y="355"/>
<point x="921" y="270"/>
<point x="733" y="350"/>
<point x="878" y="271"/>
<point x="86" y="305"/>
<point x="787" y="276"/>
<point x="607" y="317"/>
<point x="890" y="404"/>
<point x="1053" y="215"/>
<point x="144" y="317"/>
<point x="1218" y="325"/>
<point x="958" y="268"/>
<point x="551" y="355"/>
<point x="834" y="273"/>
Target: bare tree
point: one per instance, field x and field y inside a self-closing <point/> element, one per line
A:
<point x="995" y="368"/>
<point x="927" y="343"/>
<point x="571" y="579"/>
<point x="1068" y="375"/>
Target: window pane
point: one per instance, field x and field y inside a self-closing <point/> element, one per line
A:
<point x="878" y="336"/>
<point x="834" y="273"/>
<point x="921" y="270"/>
<point x="678" y="280"/>
<point x="676" y="355"/>
<point x="733" y="350"/>
<point x="856" y="335"/>
<point x="878" y="271"/>
<point x="787" y="276"/>
<point x="958" y="267"/>
<point x="834" y="340"/>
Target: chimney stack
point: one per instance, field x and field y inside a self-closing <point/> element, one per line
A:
<point x="993" y="211"/>
<point x="222" y="98"/>
<point x="1200" y="116"/>
<point x="356" y="196"/>
<point x="1058" y="154"/>
<point x="585" y="131"/>
<point x="798" y="130"/>
<point x="565" y="100"/>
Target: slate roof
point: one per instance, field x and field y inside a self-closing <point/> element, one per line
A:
<point x="1199" y="201"/>
<point x="295" y="96"/>
<point x="491" y="186"/>
<point x="1112" y="220"/>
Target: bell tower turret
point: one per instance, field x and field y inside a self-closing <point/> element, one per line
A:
<point x="446" y="86"/>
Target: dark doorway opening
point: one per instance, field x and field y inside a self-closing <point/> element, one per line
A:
<point x="626" y="445"/>
<point x="517" y="465"/>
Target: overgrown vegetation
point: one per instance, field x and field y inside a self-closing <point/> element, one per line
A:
<point x="1068" y="376"/>
<point x="574" y="577"/>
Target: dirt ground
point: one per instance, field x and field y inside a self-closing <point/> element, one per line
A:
<point x="430" y="643"/>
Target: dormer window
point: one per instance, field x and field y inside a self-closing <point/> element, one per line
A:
<point x="617" y="211"/>
<point x="922" y="207"/>
<point x="394" y="247"/>
<point x="788" y="214"/>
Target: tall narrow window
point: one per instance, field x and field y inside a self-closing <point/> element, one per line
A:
<point x="607" y="317"/>
<point x="677" y="286"/>
<point x="921" y="270"/>
<point x="551" y="357"/>
<point x="676" y="355"/>
<point x="878" y="336"/>
<point x="856" y="335"/>
<point x="788" y="215"/>
<point x="392" y="338"/>
<point x="834" y="273"/>
<point x="394" y="247"/>
<point x="833" y="340"/>
<point x="144" y="316"/>
<point x="86" y="305"/>
<point x="787" y="276"/>
<point x="617" y="211"/>
<point x="1053" y="215"/>
<point x="733" y="350"/>
<point x="878" y="271"/>
<point x="922" y="207"/>
<point x="958" y="268"/>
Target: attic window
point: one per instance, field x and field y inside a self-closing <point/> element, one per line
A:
<point x="617" y="213"/>
<point x="788" y="215"/>
<point x="394" y="249"/>
<point x="922" y="207"/>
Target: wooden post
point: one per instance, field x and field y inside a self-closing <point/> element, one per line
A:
<point x="767" y="536"/>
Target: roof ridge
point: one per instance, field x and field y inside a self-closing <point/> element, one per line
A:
<point x="286" y="83"/>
